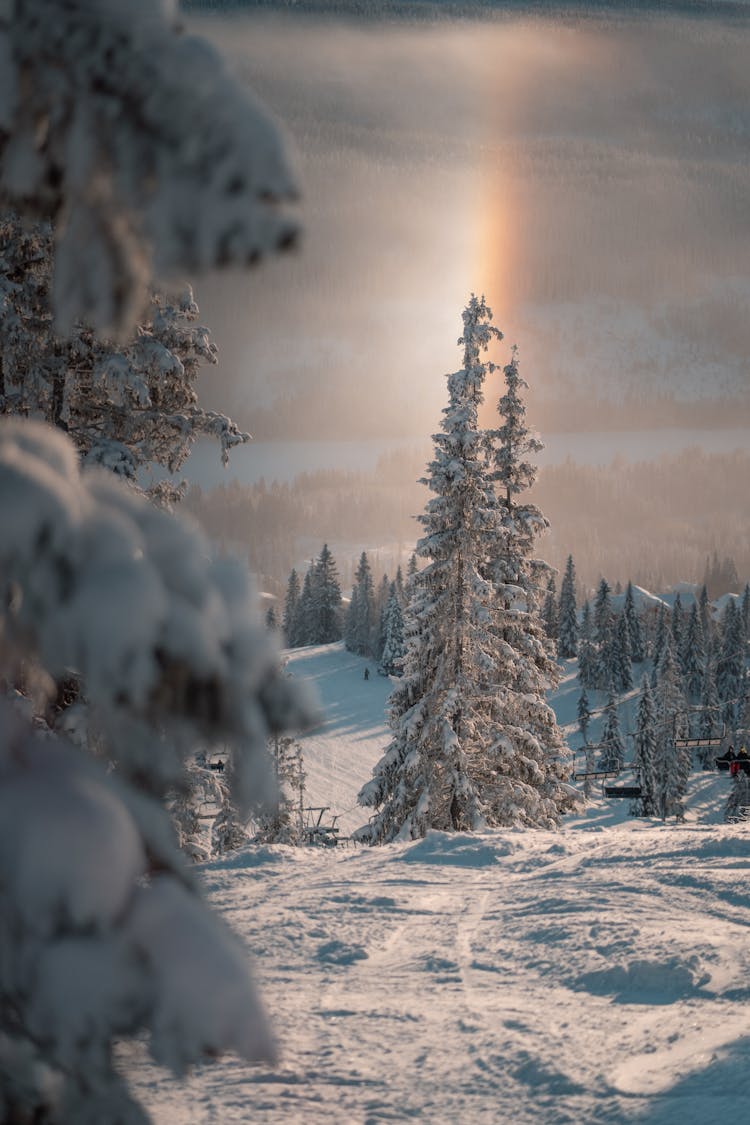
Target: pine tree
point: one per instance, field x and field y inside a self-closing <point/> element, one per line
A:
<point x="584" y="715"/>
<point x="440" y="713"/>
<point x="567" y="640"/>
<point x="363" y="611"/>
<point x="672" y="763"/>
<point x="645" y="754"/>
<point x="137" y="143"/>
<point x="393" y="648"/>
<point x="621" y="655"/>
<point x="127" y="406"/>
<point x="290" y="621"/>
<point x="613" y="748"/>
<point x="282" y="821"/>
<point x="704" y="612"/>
<point x="603" y="614"/>
<point x="738" y="801"/>
<point x="693" y="655"/>
<point x="661" y="634"/>
<point x="604" y="637"/>
<point x="586" y="632"/>
<point x="381" y="614"/>
<point x="745" y="611"/>
<point x="352" y="620"/>
<point x="637" y="649"/>
<point x="271" y="621"/>
<point x="676" y="624"/>
<point x="731" y="664"/>
<point x="710" y="703"/>
<point x="473" y="743"/>
<point x="325" y="599"/>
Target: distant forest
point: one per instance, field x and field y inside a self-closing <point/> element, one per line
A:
<point x="655" y="522"/>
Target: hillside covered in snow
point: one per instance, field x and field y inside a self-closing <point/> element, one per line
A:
<point x="591" y="974"/>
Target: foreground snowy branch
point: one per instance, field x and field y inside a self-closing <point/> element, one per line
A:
<point x="139" y="145"/>
<point x="101" y="930"/>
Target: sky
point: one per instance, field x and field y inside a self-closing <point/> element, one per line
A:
<point x="588" y="173"/>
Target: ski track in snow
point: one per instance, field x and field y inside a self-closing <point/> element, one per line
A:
<point x="597" y="974"/>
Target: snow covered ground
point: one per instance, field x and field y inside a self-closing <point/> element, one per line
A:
<point x="596" y="974"/>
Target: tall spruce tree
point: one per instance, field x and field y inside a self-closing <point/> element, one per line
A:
<point x="693" y="654"/>
<point x="584" y="715"/>
<point x="473" y="742"/>
<point x="567" y="634"/>
<point x="325" y="600"/>
<point x="644" y="754"/>
<point x="361" y="621"/>
<point x="613" y="748"/>
<point x="738" y="801"/>
<point x="621" y="655"/>
<point x="637" y="649"/>
<point x="673" y="763"/>
<point x="393" y="646"/>
<point x="732" y="654"/>
<point x="290" y="620"/>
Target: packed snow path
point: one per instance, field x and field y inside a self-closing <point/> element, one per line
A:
<point x="512" y="977"/>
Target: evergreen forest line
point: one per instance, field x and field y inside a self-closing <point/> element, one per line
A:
<point x="653" y="522"/>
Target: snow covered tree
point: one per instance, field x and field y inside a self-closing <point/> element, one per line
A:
<point x="134" y="142"/>
<point x="637" y="648"/>
<point x="710" y="725"/>
<point x="549" y="610"/>
<point x="613" y="748"/>
<point x="393" y="648"/>
<point x="645" y="754"/>
<point x="290" y="621"/>
<point x="584" y="715"/>
<point x="661" y="634"/>
<point x="473" y="741"/>
<point x="305" y="623"/>
<point x="125" y="406"/>
<point x="132" y="138"/>
<point x="361" y="617"/>
<point x="283" y="821"/>
<point x="352" y="620"/>
<point x="673" y="763"/>
<point x="693" y="656"/>
<point x="567" y="637"/>
<point x="738" y="801"/>
<point x="621" y="669"/>
<point x="93" y="890"/>
<point x="745" y="611"/>
<point x="676" y="624"/>
<point x="325" y="600"/>
<point x="704" y="612"/>
<point x="731" y="663"/>
<point x="603" y="614"/>
<point x="381" y="613"/>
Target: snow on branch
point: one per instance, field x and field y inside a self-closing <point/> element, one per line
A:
<point x="101" y="583"/>
<point x="134" y="139"/>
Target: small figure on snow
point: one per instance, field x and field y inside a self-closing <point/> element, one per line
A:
<point x="367" y="673"/>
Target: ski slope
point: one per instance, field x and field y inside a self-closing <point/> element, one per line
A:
<point x="595" y="974"/>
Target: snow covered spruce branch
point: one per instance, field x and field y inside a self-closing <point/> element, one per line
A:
<point x="126" y="406"/>
<point x="102" y="932"/>
<point x="137" y="143"/>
